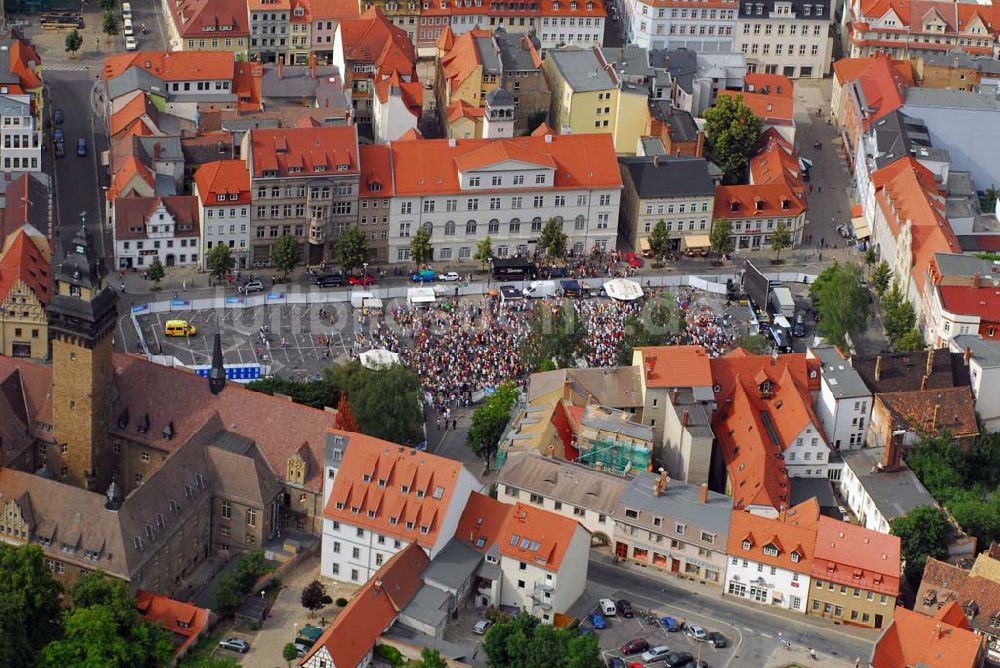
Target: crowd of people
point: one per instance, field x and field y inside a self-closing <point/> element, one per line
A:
<point x="460" y="350"/>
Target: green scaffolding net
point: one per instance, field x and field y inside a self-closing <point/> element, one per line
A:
<point x="615" y="456"/>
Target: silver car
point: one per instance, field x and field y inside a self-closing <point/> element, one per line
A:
<point x="481" y="627"/>
<point x="235" y="644"/>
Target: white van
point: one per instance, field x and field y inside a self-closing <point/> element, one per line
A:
<point x="128" y="27"/>
<point x="541" y="289"/>
<point x="126" y="11"/>
<point x="608" y="607"/>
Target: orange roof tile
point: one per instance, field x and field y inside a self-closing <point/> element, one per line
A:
<point x="193" y="18"/>
<point x="224" y="178"/>
<point x="445" y="40"/>
<point x="538" y="536"/>
<point x="23" y="260"/>
<point x="749" y="534"/>
<point x="368" y="491"/>
<point x="676" y="366"/>
<point x="482" y="521"/>
<point x="135" y="109"/>
<point x="462" y="109"/>
<point x="753" y="201"/>
<point x="372" y="38"/>
<point x="775" y="85"/>
<point x="776" y="161"/>
<point x="372" y="609"/>
<point x="848" y="69"/>
<point x="411" y="92"/>
<point x="22" y="56"/>
<point x="771" y="109"/>
<point x="586" y="8"/>
<point x="859" y="557"/>
<point x="304" y="150"/>
<point x="174" y="65"/>
<point x="376" y="176"/>
<point x="246" y="85"/>
<point x="334" y="9"/>
<point x="120" y="180"/>
<point x="432" y="165"/>
<point x="181" y="619"/>
<point x="463" y="58"/>
<point x="914" y="639"/>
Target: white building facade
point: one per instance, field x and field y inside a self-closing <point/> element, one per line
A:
<point x="787" y="37"/>
<point x="164" y="228"/>
<point x="541" y="588"/>
<point x="21" y="148"/>
<point x="707" y="27"/>
<point x="844" y="404"/>
<point x="223" y="192"/>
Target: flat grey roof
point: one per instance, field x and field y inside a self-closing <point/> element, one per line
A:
<point x="986" y="352"/>
<point x="679" y="501"/>
<point x="956" y="264"/>
<point x="950" y="99"/>
<point x="803" y="489"/>
<point x="619" y="422"/>
<point x="430" y="606"/>
<point x="842" y="379"/>
<point x="894" y="493"/>
<point x="630" y="60"/>
<point x="454" y="565"/>
<point x="581" y="69"/>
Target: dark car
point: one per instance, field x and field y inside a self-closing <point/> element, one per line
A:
<point x="799" y="328"/>
<point x="555" y="272"/>
<point x="670" y="624"/>
<point x="625" y="608"/>
<point x="60" y="149"/>
<point x="81" y="147"/>
<point x="58" y="135"/>
<point x="617" y="662"/>
<point x="677" y="659"/>
<point x="331" y="281"/>
<point x="635" y="646"/>
<point x="717" y="639"/>
<point x="57" y="116"/>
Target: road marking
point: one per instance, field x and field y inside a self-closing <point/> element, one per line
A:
<point x="63" y="67"/>
<point x="766" y="635"/>
<point x="748" y="629"/>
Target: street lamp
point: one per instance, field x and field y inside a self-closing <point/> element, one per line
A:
<point x="364" y="271"/>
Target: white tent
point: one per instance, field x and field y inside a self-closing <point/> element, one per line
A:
<point x="623" y="289"/>
<point x="379" y="358"/>
<point x="420" y="296"/>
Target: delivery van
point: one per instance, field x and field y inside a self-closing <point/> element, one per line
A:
<point x="541" y="289"/>
<point x="179" y="328"/>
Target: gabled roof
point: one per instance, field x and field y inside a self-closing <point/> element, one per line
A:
<point x="371" y="611"/>
<point x="121" y="180"/>
<point x="174" y="65"/>
<point x="18" y="65"/>
<point x="223" y="177"/>
<point x="668" y="177"/>
<point x="376" y="175"/>
<point x="913" y="639"/>
<point x="564" y="481"/>
<point x="776" y="161"/>
<point x="467" y="54"/>
<point x="482" y="522"/>
<point x="537" y="536"/>
<point x="334" y="9"/>
<point x="394" y="490"/>
<point x="133" y="213"/>
<point x="787" y="533"/>
<point x="23" y="260"/>
<point x="853" y="555"/>
<point x="138" y="108"/>
<point x="676" y="366"/>
<point x="881" y="88"/>
<point x="372" y="38"/>
<point x="493" y="153"/>
<point x="27" y="203"/>
<point x="194" y="18"/>
<point x="181" y="619"/>
<point x="950" y="408"/>
<point x="410" y="92"/>
<point x="848" y="69"/>
<point x="303" y="151"/>
<point x="767" y="104"/>
<point x="765" y="201"/>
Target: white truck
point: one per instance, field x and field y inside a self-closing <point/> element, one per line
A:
<point x="782" y="302"/>
<point x="540" y="289"/>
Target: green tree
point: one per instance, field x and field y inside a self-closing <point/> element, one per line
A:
<point x="522" y="642"/>
<point x="721" y="236"/>
<point x="29" y="604"/>
<point x="898" y="316"/>
<point x="430" y="658"/>
<point x="219" y="261"/>
<point x="990" y="200"/>
<point x="909" y="342"/>
<point x="352" y="249"/>
<point x="285" y="254"/>
<point x="227" y="596"/>
<point x="841" y="302"/>
<point x="731" y="131"/>
<point x="155" y="272"/>
<point x="104" y="629"/>
<point x="881" y="276"/>
<point x="312" y="596"/>
<point x="871" y="259"/>
<point x="552" y="240"/>
<point x="249" y="568"/>
<point x="484" y="251"/>
<point x="389" y="406"/>
<point x="781" y="239"/>
<point x="490" y="419"/>
<point x="289" y="653"/>
<point x="110" y="27"/>
<point x="553" y="337"/>
<point x="73" y="42"/>
<point x="924" y="532"/>
<point x="659" y="240"/>
<point x="420" y="247"/>
<point x="316" y="393"/>
<point x="752" y="343"/>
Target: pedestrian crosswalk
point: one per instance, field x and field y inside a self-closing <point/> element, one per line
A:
<point x="64" y="67"/>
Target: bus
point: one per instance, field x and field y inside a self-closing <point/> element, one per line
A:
<point x="513" y="269"/>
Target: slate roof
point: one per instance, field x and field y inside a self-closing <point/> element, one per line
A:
<point x="679" y="501"/>
<point x="581" y="69"/>
<point x="516" y="54"/>
<point x="838" y="374"/>
<point x="669" y="177"/>
<point x="905" y="371"/>
<point x="894" y="493"/>
<point x="985" y="352"/>
<point x="564" y="481"/>
<point x="681" y="122"/>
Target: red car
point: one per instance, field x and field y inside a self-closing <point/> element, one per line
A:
<point x="633" y="260"/>
<point x="367" y="279"/>
<point x="635" y="646"/>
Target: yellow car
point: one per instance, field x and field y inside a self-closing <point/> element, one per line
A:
<point x="179" y="328"/>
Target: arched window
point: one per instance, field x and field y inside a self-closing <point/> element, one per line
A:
<point x="581" y="222"/>
<point x="470" y="227"/>
<point x="449" y="228"/>
<point x="494" y="227"/>
<point x="429" y="226"/>
<point x="515" y="225"/>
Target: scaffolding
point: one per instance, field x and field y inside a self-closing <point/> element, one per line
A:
<point x="621" y="457"/>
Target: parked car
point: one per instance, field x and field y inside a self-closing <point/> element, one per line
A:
<point x="617" y="662"/>
<point x="81" y="147"/>
<point x="635" y="646"/>
<point x="481" y="627"/>
<point x="597" y="621"/>
<point x="423" y="276"/>
<point x="658" y="653"/>
<point x="670" y="624"/>
<point x="717" y="639"/>
<point x="60" y="149"/>
<point x="678" y="659"/>
<point x="131" y="44"/>
<point x="58" y="117"/>
<point x="301" y="648"/>
<point x="608" y="607"/>
<point x="252" y="286"/>
<point x="235" y="644"/>
<point x="633" y="260"/>
<point x="555" y="272"/>
<point x="58" y="135"/>
<point x="697" y="633"/>
<point x="330" y="281"/>
<point x="695" y="664"/>
<point x="799" y="328"/>
<point x="450" y="277"/>
<point x="625" y="608"/>
<point x="367" y="279"/>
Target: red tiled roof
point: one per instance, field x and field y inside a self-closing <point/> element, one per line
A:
<point x="772" y="109"/>
<point x="181" y="619"/>
<point x="196" y="19"/>
<point x="762" y="532"/>
<point x="776" y="161"/>
<point x="372" y="38"/>
<point x="305" y="149"/>
<point x="766" y="200"/>
<point x="174" y="65"/>
<point x="537" y="536"/>
<point x="371" y="611"/>
<point x="954" y="407"/>
<point x="376" y="175"/>
<point x="23" y="260"/>
<point x="225" y="178"/>
<point x="22" y="55"/>
<point x="368" y="491"/>
<point x="913" y="639"/>
<point x="775" y="85"/>
<point x="859" y="557"/>
<point x="462" y="58"/>
<point x="585" y="8"/>
<point x="849" y="69"/>
<point x="676" y="366"/>
<point x="334" y="9"/>
<point x="123" y="176"/>
<point x="411" y="92"/>
<point x="133" y="213"/>
<point x="884" y="88"/>
<point x="482" y="521"/>
<point x="431" y="166"/>
<point x="246" y="85"/>
<point x="983" y="301"/>
<point x="462" y="109"/>
<point x="135" y="109"/>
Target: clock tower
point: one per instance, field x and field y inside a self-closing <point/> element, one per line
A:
<point x="82" y="317"/>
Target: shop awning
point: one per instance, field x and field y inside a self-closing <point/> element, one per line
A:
<point x="861" y="229"/>
<point x="644" y="245"/>
<point x="695" y="241"/>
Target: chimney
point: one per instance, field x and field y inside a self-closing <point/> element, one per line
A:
<point x="966" y="355"/>
<point x="936" y="632"/>
<point x="157" y="149"/>
<point x="934" y="420"/>
<point x="923" y="382"/>
<point x="567" y="388"/>
<point x="685" y="416"/>
<point x="673" y="396"/>
<point x="930" y="361"/>
<point x="656" y="160"/>
<point x="281" y="69"/>
<point x="892" y="454"/>
<point x="677" y="153"/>
<point x="878" y="368"/>
<point x="703" y="493"/>
<point x="975" y="280"/>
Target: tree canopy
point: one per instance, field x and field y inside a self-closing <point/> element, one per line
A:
<point x="219" y="260"/>
<point x="899" y="320"/>
<point x="524" y="642"/>
<point x="881" y="275"/>
<point x="420" y="246"/>
<point x="841" y="301"/>
<point x="490" y="419"/>
<point x="552" y="240"/>
<point x="484" y="251"/>
<point x="155" y="271"/>
<point x="29" y="604"/>
<point x="659" y="240"/>
<point x="73" y="42"/>
<point x="721" y="236"/>
<point x="731" y="131"/>
<point x="285" y="254"/>
<point x="352" y="249"/>
<point x="781" y="239"/>
<point x="924" y="532"/>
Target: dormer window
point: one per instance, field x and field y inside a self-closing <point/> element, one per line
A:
<point x="770" y="551"/>
<point x="319" y="168"/>
<point x="734" y="205"/>
<point x="555" y="6"/>
<point x="785" y="203"/>
<point x="220" y="198"/>
<point x="340" y="506"/>
<point x="233" y="197"/>
<point x="356" y="510"/>
<point x="438" y="492"/>
<point x="425" y="530"/>
<point x="371" y="514"/>
<point x="409" y="526"/>
<point x="382" y="482"/>
<point x="366" y="477"/>
<point x="759" y="204"/>
<point x="746" y="544"/>
<point x="420" y="493"/>
<point x="405" y="489"/>
<point x="393" y="521"/>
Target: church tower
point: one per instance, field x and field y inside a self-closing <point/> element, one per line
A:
<point x="82" y="317"/>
